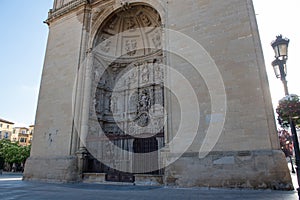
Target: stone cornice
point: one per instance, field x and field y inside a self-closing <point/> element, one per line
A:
<point x="55" y="13"/>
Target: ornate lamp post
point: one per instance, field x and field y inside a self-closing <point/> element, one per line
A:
<point x="280" y="46"/>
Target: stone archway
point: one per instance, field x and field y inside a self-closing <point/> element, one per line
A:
<point x="128" y="95"/>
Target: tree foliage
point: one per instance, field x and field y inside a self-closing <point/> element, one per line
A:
<point x="13" y="153"/>
<point x="289" y="107"/>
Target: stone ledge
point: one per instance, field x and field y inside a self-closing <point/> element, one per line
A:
<point x="146" y="179"/>
<point x="93" y="177"/>
<point x="99" y="178"/>
<point x="140" y="179"/>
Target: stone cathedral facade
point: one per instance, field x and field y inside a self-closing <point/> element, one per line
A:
<point x="156" y="92"/>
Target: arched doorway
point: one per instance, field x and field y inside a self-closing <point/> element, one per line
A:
<point x="129" y="94"/>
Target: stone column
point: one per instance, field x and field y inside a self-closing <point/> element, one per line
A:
<point x="84" y="128"/>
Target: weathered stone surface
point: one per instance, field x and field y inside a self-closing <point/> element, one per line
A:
<point x="229" y="160"/>
<point x="144" y="179"/>
<point x="94" y="178"/>
<point x="230" y="169"/>
<point x="52" y="169"/>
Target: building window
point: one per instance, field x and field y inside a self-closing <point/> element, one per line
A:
<point x="23" y="140"/>
<point x="0" y="125"/>
<point x="23" y="132"/>
<point x="7" y="126"/>
<point x="6" y="135"/>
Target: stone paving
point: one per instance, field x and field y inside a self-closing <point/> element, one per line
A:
<point x="12" y="187"/>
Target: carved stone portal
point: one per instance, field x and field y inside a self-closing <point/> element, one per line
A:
<point x="129" y="93"/>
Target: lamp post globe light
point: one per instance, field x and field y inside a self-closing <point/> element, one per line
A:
<point x="280" y="46"/>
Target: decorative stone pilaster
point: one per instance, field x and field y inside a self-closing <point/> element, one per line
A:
<point x="81" y="154"/>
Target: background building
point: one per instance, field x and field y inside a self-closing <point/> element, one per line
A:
<point x="6" y="129"/>
<point x="23" y="135"/>
<point x="30" y="132"/>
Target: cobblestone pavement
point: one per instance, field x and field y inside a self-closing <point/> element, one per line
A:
<point x="11" y="187"/>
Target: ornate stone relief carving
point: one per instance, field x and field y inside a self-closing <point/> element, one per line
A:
<point x="131" y="47"/>
<point x="131" y="104"/>
<point x="138" y="28"/>
<point x="105" y="44"/>
<point x="145" y="73"/>
<point x="145" y="19"/>
<point x="129" y="96"/>
<point x="144" y="101"/>
<point x="131" y="23"/>
<point x="156" y="39"/>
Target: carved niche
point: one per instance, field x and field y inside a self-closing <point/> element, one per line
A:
<point x="128" y="78"/>
<point x="129" y="94"/>
<point x="130" y="33"/>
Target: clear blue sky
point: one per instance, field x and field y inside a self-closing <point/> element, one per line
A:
<point x="23" y="41"/>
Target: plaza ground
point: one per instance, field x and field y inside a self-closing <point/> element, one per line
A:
<point x="12" y="187"/>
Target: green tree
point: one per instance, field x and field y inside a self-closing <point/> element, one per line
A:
<point x="13" y="153"/>
<point x="24" y="153"/>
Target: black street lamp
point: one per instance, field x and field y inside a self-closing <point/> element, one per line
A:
<point x="280" y="46"/>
